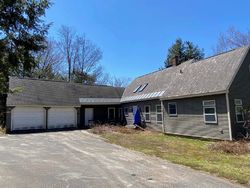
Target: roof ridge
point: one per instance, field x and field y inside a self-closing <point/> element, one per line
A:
<point x="168" y="68"/>
<point x="62" y="81"/>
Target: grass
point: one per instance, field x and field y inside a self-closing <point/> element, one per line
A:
<point x="211" y="156"/>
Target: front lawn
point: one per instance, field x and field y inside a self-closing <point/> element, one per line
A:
<point x="225" y="159"/>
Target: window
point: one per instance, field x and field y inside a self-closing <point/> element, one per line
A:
<point x="172" y="109"/>
<point x="126" y="111"/>
<point x="111" y="113"/>
<point x="158" y="114"/>
<point x="147" y="113"/>
<point x="209" y="111"/>
<point x="143" y="87"/>
<point x="137" y="88"/>
<point x="239" y="111"/>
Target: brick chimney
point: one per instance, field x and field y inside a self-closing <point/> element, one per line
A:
<point x="174" y="61"/>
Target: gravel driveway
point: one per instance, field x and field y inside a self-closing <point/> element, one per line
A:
<point x="80" y="159"/>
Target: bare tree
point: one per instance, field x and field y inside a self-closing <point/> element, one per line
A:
<point x="107" y="79"/>
<point x="87" y="59"/>
<point x="67" y="47"/>
<point x="232" y="39"/>
<point x="48" y="62"/>
<point x="81" y="55"/>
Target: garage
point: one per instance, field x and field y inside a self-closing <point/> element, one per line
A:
<point x="24" y="118"/>
<point x="61" y="117"/>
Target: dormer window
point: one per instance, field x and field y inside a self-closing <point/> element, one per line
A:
<point x="137" y="88"/>
<point x="143" y="87"/>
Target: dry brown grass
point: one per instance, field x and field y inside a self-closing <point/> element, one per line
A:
<point x="2" y="130"/>
<point x="236" y="147"/>
<point x="106" y="128"/>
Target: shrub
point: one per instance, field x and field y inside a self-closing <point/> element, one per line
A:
<point x="235" y="147"/>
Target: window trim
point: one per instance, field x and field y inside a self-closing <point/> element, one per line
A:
<point x="237" y="105"/>
<point x="210" y="114"/>
<point x="159" y="113"/>
<point x="176" y="109"/>
<point x="149" y="113"/>
<point x="238" y="102"/>
<point x="109" y="108"/>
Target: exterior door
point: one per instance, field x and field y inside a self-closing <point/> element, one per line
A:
<point x="89" y="115"/>
<point x="111" y="114"/>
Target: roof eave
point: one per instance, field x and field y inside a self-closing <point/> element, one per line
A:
<point x="194" y="95"/>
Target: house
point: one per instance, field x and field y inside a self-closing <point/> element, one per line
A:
<point x="196" y="98"/>
<point x="42" y="104"/>
<point x="201" y="98"/>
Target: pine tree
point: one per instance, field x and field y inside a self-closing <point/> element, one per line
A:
<point x="184" y="51"/>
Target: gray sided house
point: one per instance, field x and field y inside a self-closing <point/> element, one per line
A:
<point x="41" y="104"/>
<point x="196" y="98"/>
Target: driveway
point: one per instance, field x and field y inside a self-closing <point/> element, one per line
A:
<point x="80" y="159"/>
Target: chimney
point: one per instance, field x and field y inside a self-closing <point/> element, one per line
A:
<point x="174" y="61"/>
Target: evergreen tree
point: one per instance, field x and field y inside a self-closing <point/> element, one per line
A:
<point x="22" y="34"/>
<point x="184" y="51"/>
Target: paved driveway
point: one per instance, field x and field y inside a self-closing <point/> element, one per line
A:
<point x="80" y="159"/>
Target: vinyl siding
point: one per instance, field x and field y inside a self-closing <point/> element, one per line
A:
<point x="152" y="103"/>
<point x="190" y="120"/>
<point x="240" y="89"/>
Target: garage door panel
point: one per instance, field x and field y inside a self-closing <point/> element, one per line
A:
<point x="61" y="118"/>
<point x="24" y="118"/>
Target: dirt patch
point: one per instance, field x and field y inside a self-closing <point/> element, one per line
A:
<point x="236" y="147"/>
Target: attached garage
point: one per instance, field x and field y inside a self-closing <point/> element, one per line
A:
<point x="24" y="118"/>
<point x="44" y="104"/>
<point x="62" y="117"/>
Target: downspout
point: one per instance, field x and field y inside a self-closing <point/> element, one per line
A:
<point x="229" y="116"/>
<point x="162" y="111"/>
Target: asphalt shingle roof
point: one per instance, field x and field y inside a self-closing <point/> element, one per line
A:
<point x="41" y="92"/>
<point x="211" y="75"/>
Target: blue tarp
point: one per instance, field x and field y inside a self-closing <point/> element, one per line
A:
<point x="137" y="115"/>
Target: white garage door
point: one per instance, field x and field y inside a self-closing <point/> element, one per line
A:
<point x="24" y="118"/>
<point x="61" y="117"/>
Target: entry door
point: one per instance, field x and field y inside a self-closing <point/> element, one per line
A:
<point x="111" y="114"/>
<point x="89" y="115"/>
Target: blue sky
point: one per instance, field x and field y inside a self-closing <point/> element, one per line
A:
<point x="134" y="35"/>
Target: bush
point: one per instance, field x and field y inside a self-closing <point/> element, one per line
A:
<point x="236" y="147"/>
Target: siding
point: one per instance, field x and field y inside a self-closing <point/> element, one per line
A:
<point x="240" y="89"/>
<point x="190" y="119"/>
<point x="141" y="104"/>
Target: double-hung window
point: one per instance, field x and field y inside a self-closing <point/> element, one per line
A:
<point x="172" y="109"/>
<point x="209" y="111"/>
<point x="239" y="111"/>
<point x="147" y="113"/>
<point x="158" y="114"/>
